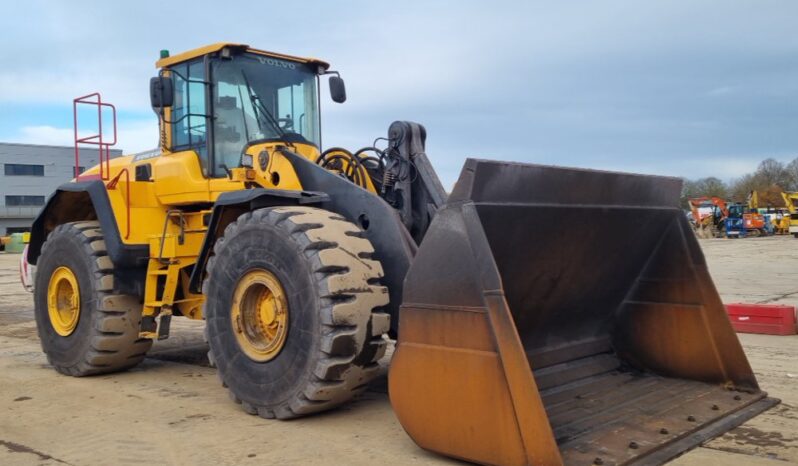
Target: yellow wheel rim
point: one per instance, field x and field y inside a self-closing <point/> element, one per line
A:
<point x="63" y="301"/>
<point x="259" y="315"/>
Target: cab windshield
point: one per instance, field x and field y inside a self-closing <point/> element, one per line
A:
<point x="736" y="211"/>
<point x="259" y="98"/>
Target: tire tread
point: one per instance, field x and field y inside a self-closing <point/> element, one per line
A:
<point x="114" y="335"/>
<point x="346" y="278"/>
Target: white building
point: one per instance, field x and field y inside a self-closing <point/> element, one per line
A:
<point x="29" y="174"/>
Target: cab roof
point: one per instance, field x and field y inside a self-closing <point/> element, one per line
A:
<point x="198" y="52"/>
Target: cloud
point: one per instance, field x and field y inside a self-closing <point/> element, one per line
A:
<point x="138" y="135"/>
<point x="46" y="135"/>
<point x="133" y="136"/>
<point x="722" y="90"/>
<point x="680" y="88"/>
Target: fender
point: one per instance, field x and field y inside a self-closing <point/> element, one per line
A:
<point x="393" y="244"/>
<point x="85" y="200"/>
<point x="230" y="205"/>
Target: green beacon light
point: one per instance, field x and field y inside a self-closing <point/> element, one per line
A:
<point x="164" y="53"/>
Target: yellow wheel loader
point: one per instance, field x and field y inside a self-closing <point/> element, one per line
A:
<point x="520" y="340"/>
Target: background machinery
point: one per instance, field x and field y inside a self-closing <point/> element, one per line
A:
<point x="519" y="341"/>
<point x="771" y="206"/>
<point x="790" y="199"/>
<point x="747" y="221"/>
<point x="715" y="218"/>
<point x="709" y="216"/>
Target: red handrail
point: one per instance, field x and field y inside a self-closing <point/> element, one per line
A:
<point x="103" y="147"/>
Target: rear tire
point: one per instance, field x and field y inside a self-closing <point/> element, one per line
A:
<point x="105" y="336"/>
<point x="335" y="328"/>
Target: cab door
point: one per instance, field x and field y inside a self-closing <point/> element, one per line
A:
<point x="182" y="172"/>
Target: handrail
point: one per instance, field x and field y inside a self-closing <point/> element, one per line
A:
<point x="103" y="147"/>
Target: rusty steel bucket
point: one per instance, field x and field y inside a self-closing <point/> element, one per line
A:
<point x="565" y="316"/>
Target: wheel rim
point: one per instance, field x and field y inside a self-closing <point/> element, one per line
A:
<point x="259" y="315"/>
<point x="63" y="301"/>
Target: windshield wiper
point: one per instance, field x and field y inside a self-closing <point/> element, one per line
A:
<point x="244" y="115"/>
<point x="259" y="108"/>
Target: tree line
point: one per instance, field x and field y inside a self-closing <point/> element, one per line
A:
<point x="770" y="177"/>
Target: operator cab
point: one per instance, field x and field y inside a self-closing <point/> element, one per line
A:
<point x="221" y="99"/>
<point x="736" y="210"/>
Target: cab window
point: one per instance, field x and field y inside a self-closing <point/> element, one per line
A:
<point x="260" y="98"/>
<point x="189" y="115"/>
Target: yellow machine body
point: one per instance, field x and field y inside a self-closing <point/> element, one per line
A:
<point x="146" y="213"/>
<point x="790" y="199"/>
<point x="153" y="211"/>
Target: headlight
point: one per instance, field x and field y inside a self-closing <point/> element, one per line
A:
<point x="263" y="160"/>
<point x="246" y="160"/>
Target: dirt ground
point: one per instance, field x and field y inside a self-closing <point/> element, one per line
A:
<point x="172" y="410"/>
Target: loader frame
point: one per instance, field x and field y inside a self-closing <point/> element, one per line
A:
<point x="520" y="340"/>
<point x="140" y="265"/>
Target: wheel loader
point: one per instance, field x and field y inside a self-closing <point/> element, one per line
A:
<point x="518" y="340"/>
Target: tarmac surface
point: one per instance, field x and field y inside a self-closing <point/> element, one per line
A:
<point x="172" y="409"/>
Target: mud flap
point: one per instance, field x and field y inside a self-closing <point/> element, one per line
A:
<point x="558" y="315"/>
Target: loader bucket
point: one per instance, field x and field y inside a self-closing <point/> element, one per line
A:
<point x="558" y="315"/>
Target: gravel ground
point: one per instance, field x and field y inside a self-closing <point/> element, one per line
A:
<point x="172" y="410"/>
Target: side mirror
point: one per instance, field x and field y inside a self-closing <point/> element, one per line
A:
<point x="337" y="89"/>
<point x="161" y="92"/>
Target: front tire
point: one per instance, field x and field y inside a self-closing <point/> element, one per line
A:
<point x="84" y="327"/>
<point x="322" y="266"/>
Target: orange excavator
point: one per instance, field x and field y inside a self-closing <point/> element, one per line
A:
<point x="709" y="216"/>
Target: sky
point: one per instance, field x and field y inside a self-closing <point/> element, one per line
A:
<point x="685" y="88"/>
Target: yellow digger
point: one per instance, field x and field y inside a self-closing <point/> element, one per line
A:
<point x="789" y="200"/>
<point x="520" y="340"/>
